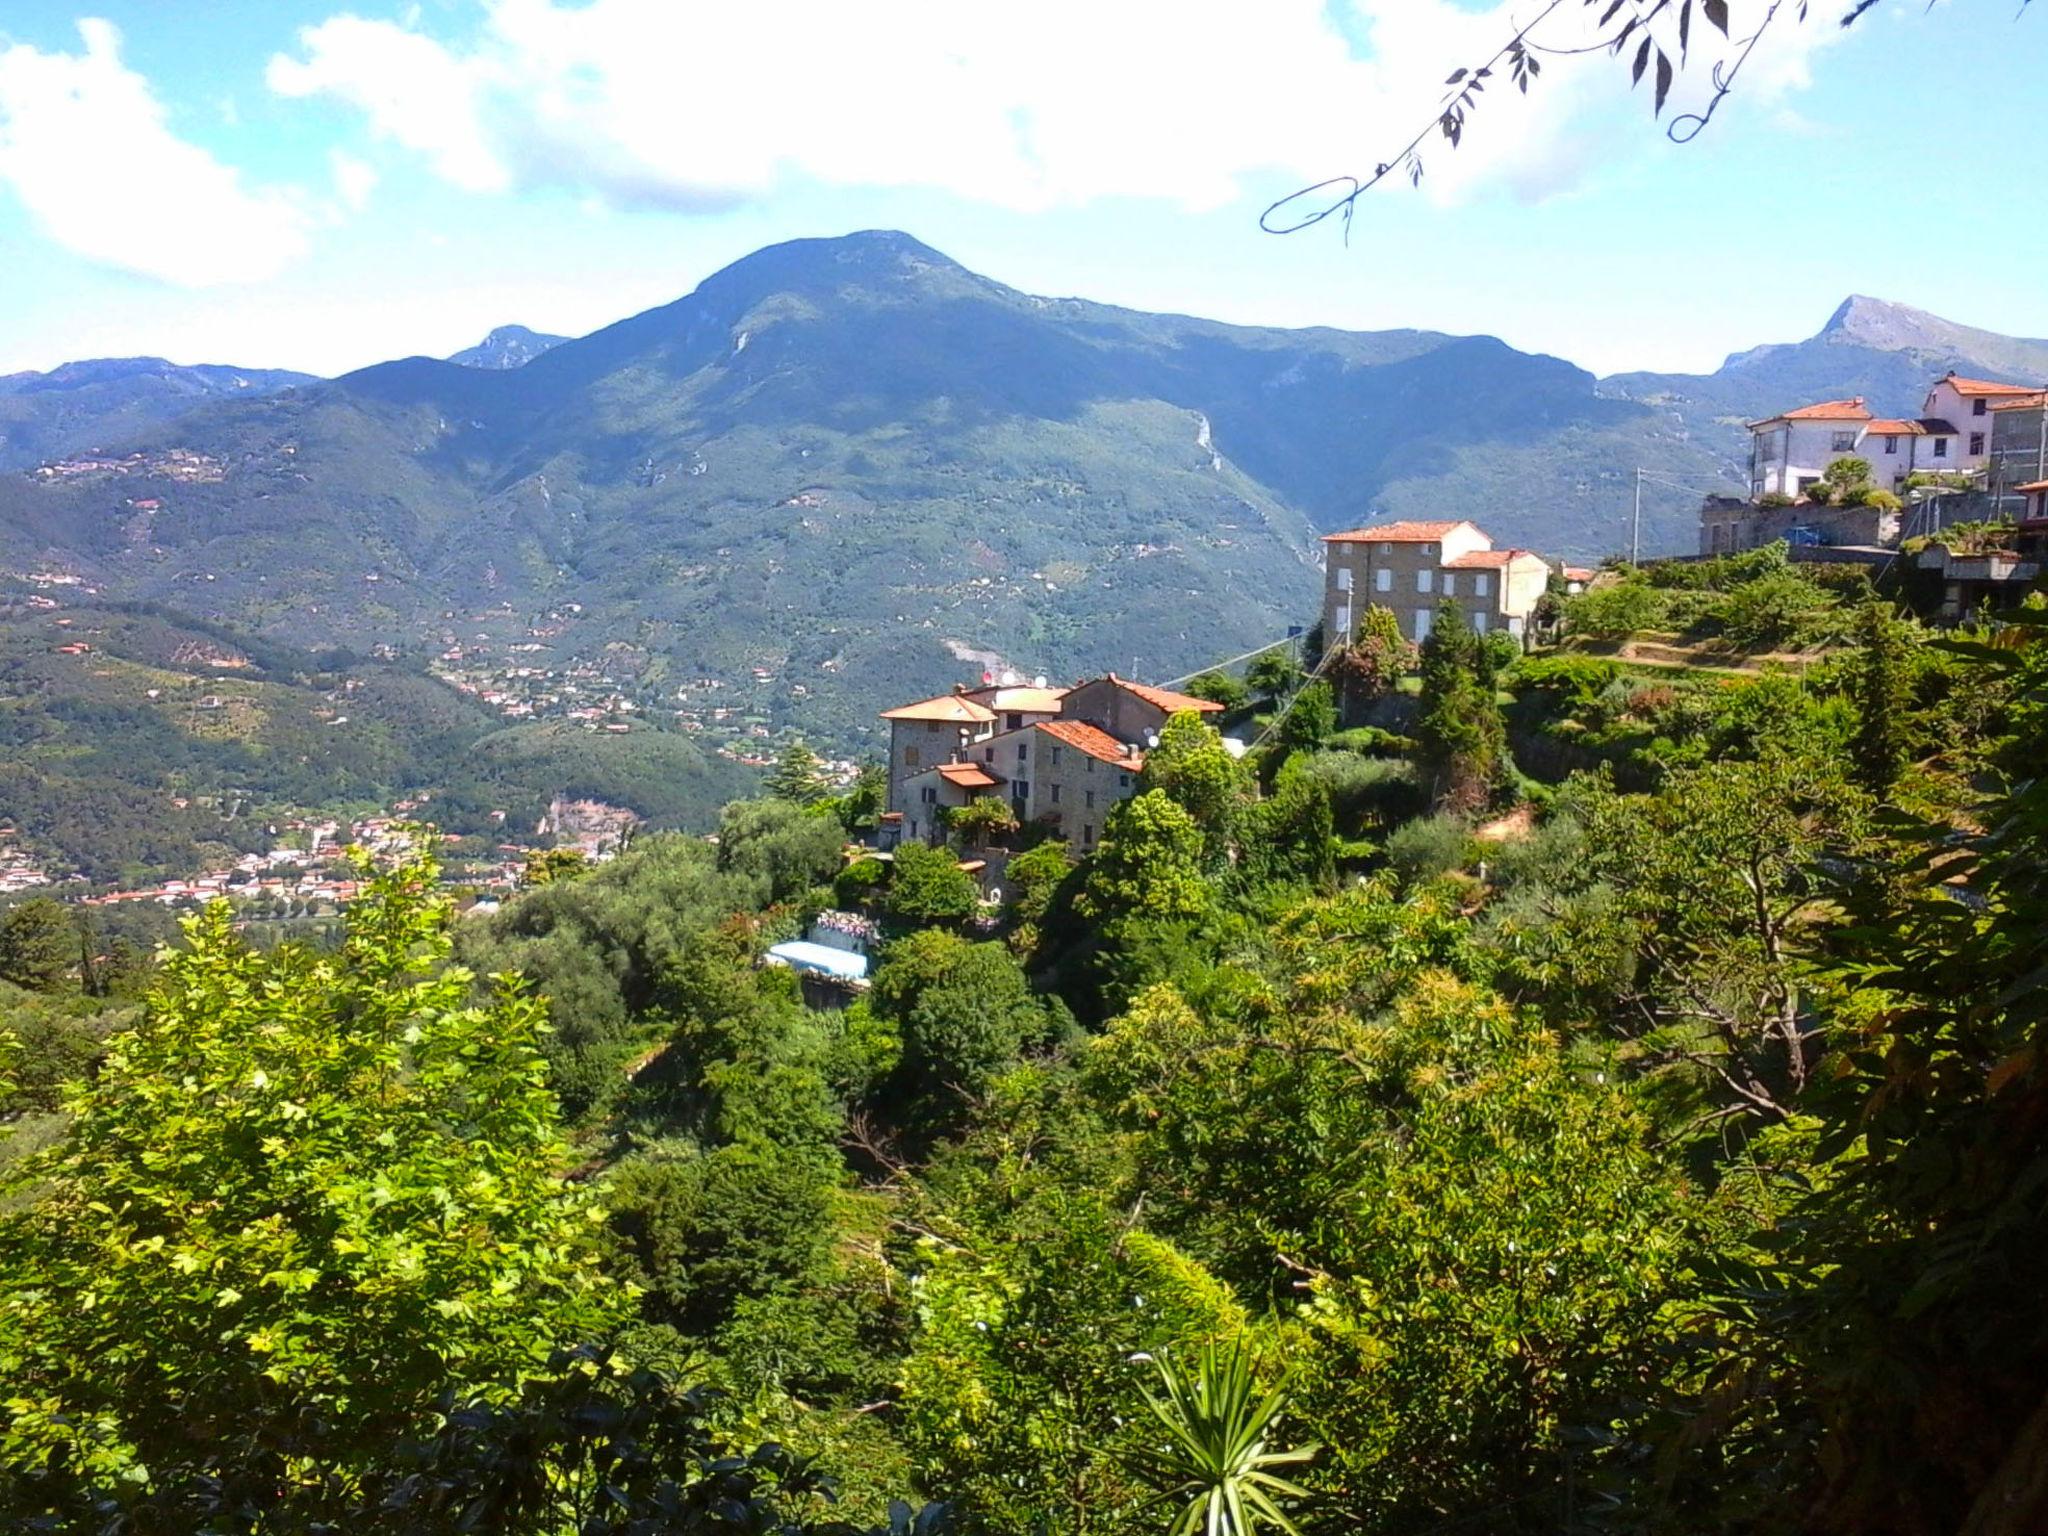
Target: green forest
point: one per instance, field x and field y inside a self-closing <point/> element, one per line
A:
<point x="1523" y="1093"/>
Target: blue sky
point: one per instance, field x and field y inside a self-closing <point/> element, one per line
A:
<point x="302" y="185"/>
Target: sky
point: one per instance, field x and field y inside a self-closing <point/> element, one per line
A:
<point x="289" y="183"/>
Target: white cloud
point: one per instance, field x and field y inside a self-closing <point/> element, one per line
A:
<point x="354" y="179"/>
<point x="87" y="148"/>
<point x="703" y="105"/>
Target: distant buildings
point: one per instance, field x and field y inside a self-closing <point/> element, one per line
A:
<point x="1411" y="567"/>
<point x="1984" y="437"/>
<point x="1061" y="757"/>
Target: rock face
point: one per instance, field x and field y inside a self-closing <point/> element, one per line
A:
<point x="509" y="346"/>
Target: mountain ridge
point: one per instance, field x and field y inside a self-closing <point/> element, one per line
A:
<point x="846" y="458"/>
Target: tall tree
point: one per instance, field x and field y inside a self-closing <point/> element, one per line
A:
<point x="39" y="944"/>
<point x="798" y="775"/>
<point x="1193" y="768"/>
<point x="1459" y="726"/>
<point x="307" y="1195"/>
<point x="1883" y="686"/>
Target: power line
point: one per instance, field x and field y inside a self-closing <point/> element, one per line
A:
<point x="1230" y="661"/>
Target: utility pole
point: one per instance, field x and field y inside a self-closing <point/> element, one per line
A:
<point x="1635" y="525"/>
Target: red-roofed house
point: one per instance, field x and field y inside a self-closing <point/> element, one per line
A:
<point x="1968" y="404"/>
<point x="1061" y="756"/>
<point x="1787" y="452"/>
<point x="1411" y="567"/>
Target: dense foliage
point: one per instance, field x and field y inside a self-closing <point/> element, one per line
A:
<point x="1598" y="1094"/>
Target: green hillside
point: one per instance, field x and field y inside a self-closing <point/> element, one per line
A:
<point x="852" y="463"/>
<point x="135" y="743"/>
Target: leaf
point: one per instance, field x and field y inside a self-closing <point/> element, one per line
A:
<point x="1642" y="62"/>
<point x="1455" y="76"/>
<point x="1684" y="28"/>
<point x="1663" y="80"/>
<point x="1716" y="11"/>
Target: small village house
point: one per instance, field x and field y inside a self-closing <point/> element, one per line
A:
<point x="1410" y="568"/>
<point x="1060" y="757"/>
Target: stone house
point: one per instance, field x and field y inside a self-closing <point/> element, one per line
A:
<point x="1411" y="567"/>
<point x="1060" y="757"/>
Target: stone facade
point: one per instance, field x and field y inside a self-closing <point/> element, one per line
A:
<point x="1410" y="568"/>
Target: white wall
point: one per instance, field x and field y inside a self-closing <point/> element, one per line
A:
<point x="1943" y="401"/>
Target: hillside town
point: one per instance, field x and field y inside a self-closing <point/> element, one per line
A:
<point x="1838" y="482"/>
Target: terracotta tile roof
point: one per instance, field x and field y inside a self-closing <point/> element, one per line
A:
<point x="1964" y="386"/>
<point x="2029" y="402"/>
<point x="1097" y="743"/>
<point x="1398" y="533"/>
<point x="1029" y="701"/>
<point x="968" y="775"/>
<point x="1937" y="427"/>
<point x="1821" y="410"/>
<point x="2032" y="486"/>
<point x="1579" y="573"/>
<point x="1165" y="698"/>
<point x="1885" y="426"/>
<point x="946" y="708"/>
<point x="1490" y="559"/>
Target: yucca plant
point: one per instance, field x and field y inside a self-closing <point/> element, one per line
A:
<point x="1215" y="1464"/>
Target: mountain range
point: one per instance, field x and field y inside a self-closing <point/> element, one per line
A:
<point x="853" y="463"/>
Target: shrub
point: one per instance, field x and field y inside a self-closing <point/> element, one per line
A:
<point x="1573" y="681"/>
<point x="858" y="882"/>
<point x="1364" y="791"/>
<point x="1615" y="611"/>
<point x="1772" y="610"/>
<point x="1430" y="846"/>
<point x="1774" y="500"/>
<point x="980" y="822"/>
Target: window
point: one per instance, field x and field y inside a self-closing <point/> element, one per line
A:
<point x="1055" y="794"/>
<point x="1977" y="406"/>
<point x="1343" y="578"/>
<point x="931" y="727"/>
<point x="1429" y="549"/>
<point x="1087" y="831"/>
<point x="1383" y="580"/>
<point x="1012" y="722"/>
<point x="929" y="795"/>
<point x="988" y="754"/>
<point x="1342" y="623"/>
<point x="1386" y="549"/>
<point x="1891" y="442"/>
<point x="1055" y="763"/>
<point x="910" y="757"/>
<point x="1123" y="781"/>
<point x="1481" y="584"/>
<point x="1423" y="579"/>
<point x="1422" y="618"/>
<point x="1845" y="442"/>
<point x="1514" y="626"/>
<point x="1450" y="584"/>
<point x="1479" y="623"/>
<point x="1088" y="763"/>
<point x="1941" y="447"/>
<point x="1088" y="799"/>
<point x="1976" y="443"/>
